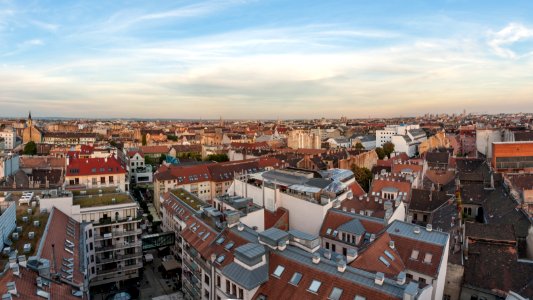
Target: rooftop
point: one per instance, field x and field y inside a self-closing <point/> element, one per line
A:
<point x="102" y="200"/>
<point x="191" y="200"/>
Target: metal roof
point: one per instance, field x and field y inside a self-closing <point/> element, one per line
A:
<point x="354" y="226"/>
<point x="407" y="230"/>
<point x="304" y="188"/>
<point x="284" y="178"/>
<point x="274" y="234"/>
<point x="249" y="279"/>
<point x="250" y="250"/>
<point x="302" y="235"/>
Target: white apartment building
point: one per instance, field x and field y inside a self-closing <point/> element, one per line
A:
<point x="10" y="138"/>
<point x="386" y="134"/>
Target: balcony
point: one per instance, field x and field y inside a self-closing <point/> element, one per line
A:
<point x="191" y="290"/>
<point x="118" y="257"/>
<point x="117" y="246"/>
<point x="107" y="278"/>
<point x="119" y="269"/>
<point x="117" y="233"/>
<point x="109" y="221"/>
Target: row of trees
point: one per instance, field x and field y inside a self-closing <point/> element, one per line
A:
<point x="386" y="150"/>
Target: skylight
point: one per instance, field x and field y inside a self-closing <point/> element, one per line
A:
<point x="328" y="232"/>
<point x="206" y="235"/>
<point x="220" y="240"/>
<point x="314" y="286"/>
<point x="389" y="255"/>
<point x="384" y="261"/>
<point x="221" y="258"/>
<point x="427" y="258"/>
<point x="229" y="245"/>
<point x="335" y="233"/>
<point x="335" y="294"/>
<point x="414" y="255"/>
<point x="296" y="277"/>
<point x="279" y="270"/>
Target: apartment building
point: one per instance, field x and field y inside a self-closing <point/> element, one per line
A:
<point x="139" y="172"/>
<point x="10" y="138"/>
<point x="206" y="181"/>
<point x="298" y="139"/>
<point x="229" y="260"/>
<point x="88" y="173"/>
<point x="385" y="135"/>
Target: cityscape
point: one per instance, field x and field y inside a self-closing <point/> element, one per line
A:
<point x="263" y="150"/>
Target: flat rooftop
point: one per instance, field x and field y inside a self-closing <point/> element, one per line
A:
<point x="191" y="200"/>
<point x="102" y="200"/>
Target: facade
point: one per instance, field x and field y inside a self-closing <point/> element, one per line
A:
<point x="10" y="138"/>
<point x="512" y="156"/>
<point x="69" y="138"/>
<point x="484" y="139"/>
<point x="138" y="171"/>
<point x="88" y="173"/>
<point x="8" y="220"/>
<point x="385" y="135"/>
<point x="298" y="139"/>
<point x="409" y="142"/>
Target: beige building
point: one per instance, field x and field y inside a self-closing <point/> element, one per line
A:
<point x="298" y="139"/>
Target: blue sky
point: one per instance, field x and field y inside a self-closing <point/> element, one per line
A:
<point x="264" y="59"/>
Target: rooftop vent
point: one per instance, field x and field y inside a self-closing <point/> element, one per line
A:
<point x="379" y="278"/>
<point x="12" y="288"/>
<point x="391" y="244"/>
<point x="416" y="230"/>
<point x="240" y="227"/>
<point x="429" y="227"/>
<point x="316" y="258"/>
<point x="341" y="265"/>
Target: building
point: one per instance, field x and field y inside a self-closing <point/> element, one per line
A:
<point x="10" y="138"/>
<point x="298" y="139"/>
<point x="409" y="142"/>
<point x="69" y="138"/>
<point x="88" y="173"/>
<point x="484" y="139"/>
<point x="306" y="195"/>
<point x="138" y="171"/>
<point x="206" y="181"/>
<point x="8" y="220"/>
<point x="32" y="133"/>
<point x="512" y="156"/>
<point x="385" y="135"/>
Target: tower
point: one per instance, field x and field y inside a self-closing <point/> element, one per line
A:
<point x="30" y="122"/>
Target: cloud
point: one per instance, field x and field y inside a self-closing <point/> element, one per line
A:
<point x="500" y="41"/>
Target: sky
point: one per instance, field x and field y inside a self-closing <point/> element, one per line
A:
<point x="264" y="59"/>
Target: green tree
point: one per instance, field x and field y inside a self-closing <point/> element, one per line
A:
<point x="380" y="153"/>
<point x="359" y="146"/>
<point x="363" y="176"/>
<point x="30" y="148"/>
<point x="144" y="140"/>
<point x="388" y="148"/>
<point x="162" y="158"/>
<point x="217" y="157"/>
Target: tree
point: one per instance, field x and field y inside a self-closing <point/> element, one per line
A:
<point x="217" y="157"/>
<point x="380" y="153"/>
<point x="144" y="140"/>
<point x="359" y="146"/>
<point x="388" y="148"/>
<point x="362" y="176"/>
<point x="30" y="148"/>
<point x="162" y="158"/>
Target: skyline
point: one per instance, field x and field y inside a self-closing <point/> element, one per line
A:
<point x="192" y="60"/>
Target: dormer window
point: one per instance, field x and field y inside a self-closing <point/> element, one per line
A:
<point x="427" y="258"/>
<point x="414" y="255"/>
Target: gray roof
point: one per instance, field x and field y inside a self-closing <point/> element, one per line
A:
<point x="302" y="235"/>
<point x="250" y="250"/>
<point x="274" y="234"/>
<point x="354" y="226"/>
<point x="318" y="182"/>
<point x="357" y="276"/>
<point x="406" y="230"/>
<point x="417" y="132"/>
<point x="283" y="177"/>
<point x="249" y="279"/>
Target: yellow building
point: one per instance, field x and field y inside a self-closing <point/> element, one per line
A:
<point x="31" y="132"/>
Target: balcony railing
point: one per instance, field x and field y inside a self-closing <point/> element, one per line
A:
<point x="118" y="246"/>
<point x="108" y="221"/>
<point x="117" y="233"/>
<point x="120" y="269"/>
<point x="118" y="257"/>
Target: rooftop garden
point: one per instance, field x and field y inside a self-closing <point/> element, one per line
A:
<point x="102" y="200"/>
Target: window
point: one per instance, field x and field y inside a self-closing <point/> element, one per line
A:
<point x="111" y="179"/>
<point x="218" y="281"/>
<point x="357" y="297"/>
<point x="335" y="294"/>
<point x="344" y="251"/>
<point x="296" y="277"/>
<point x="206" y="279"/>
<point x="241" y="293"/>
<point x="102" y="180"/>
<point x="278" y="271"/>
<point x="422" y="280"/>
<point x="314" y="286"/>
<point x="389" y="255"/>
<point x="427" y="258"/>
<point x="333" y="247"/>
<point x="95" y="182"/>
<point x="414" y="255"/>
<point x="327" y="245"/>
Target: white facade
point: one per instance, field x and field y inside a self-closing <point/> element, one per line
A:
<point x="485" y="138"/>
<point x="10" y="138"/>
<point x="385" y="135"/>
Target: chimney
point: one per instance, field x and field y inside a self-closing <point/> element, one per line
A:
<point x="327" y="254"/>
<point x="240" y="227"/>
<point x="351" y="255"/>
<point x="316" y="258"/>
<point x="341" y="265"/>
<point x="401" y="278"/>
<point x="282" y="245"/>
<point x="379" y="278"/>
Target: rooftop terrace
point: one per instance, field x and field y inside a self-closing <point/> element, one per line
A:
<point x="102" y="200"/>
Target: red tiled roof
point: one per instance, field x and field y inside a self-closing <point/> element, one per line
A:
<point x="405" y="247"/>
<point x="57" y="235"/>
<point x="94" y="166"/>
<point x="278" y="219"/>
<point x="280" y="288"/>
<point x="397" y="168"/>
<point x="357" y="190"/>
<point x="369" y="258"/>
<point x="154" y="149"/>
<point x="130" y="154"/>
<point x="379" y="184"/>
<point x="26" y="286"/>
